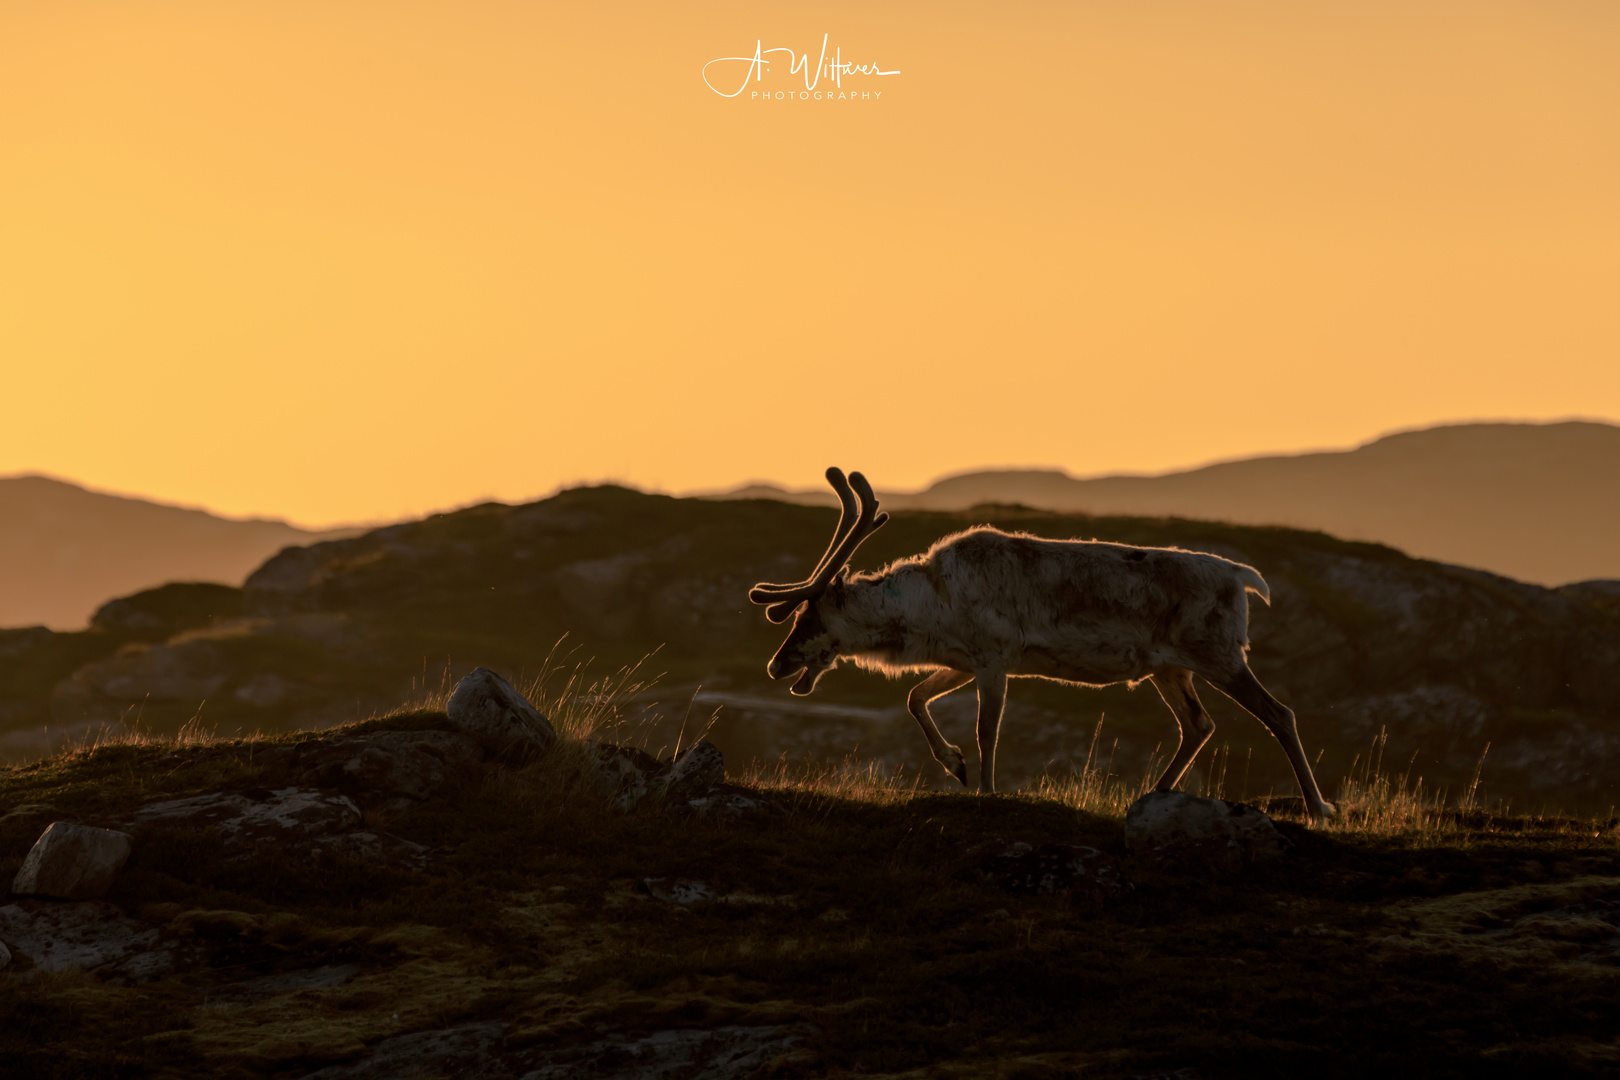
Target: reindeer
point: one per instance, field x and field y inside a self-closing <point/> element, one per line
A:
<point x="983" y="606"/>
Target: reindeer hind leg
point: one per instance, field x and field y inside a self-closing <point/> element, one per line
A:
<point x="1175" y="686"/>
<point x="1278" y="718"/>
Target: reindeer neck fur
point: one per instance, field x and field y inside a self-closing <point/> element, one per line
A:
<point x="874" y="618"/>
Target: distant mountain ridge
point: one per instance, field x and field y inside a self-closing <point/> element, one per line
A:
<point x="64" y="550"/>
<point x="1536" y="502"/>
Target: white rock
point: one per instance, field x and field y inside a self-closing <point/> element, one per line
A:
<point x="1169" y="827"/>
<point x="700" y="767"/>
<point x="256" y="818"/>
<point x="631" y="774"/>
<point x="72" y="862"/>
<point x="686" y="892"/>
<point x="86" y="936"/>
<point x="501" y="720"/>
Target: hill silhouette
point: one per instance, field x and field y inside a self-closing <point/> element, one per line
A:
<point x="1358" y="639"/>
<point x="1536" y="502"/>
<point x="64" y="550"/>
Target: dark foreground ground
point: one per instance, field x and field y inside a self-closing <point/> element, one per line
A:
<point x="849" y="935"/>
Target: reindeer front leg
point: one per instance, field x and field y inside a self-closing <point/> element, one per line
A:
<point x="937" y="685"/>
<point x="992" y="696"/>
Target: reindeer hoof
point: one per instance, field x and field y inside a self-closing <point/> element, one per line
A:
<point x="1328" y="812"/>
<point x="959" y="770"/>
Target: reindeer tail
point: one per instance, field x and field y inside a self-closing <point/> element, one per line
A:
<point x="1253" y="582"/>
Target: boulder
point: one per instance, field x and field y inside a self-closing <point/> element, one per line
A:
<point x="727" y="802"/>
<point x="413" y="764"/>
<point x="5" y="956"/>
<point x="694" y="782"/>
<point x="631" y="774"/>
<point x="700" y="768"/>
<point x="72" y="862"/>
<point x="485" y="707"/>
<point x="683" y="892"/>
<point x="1166" y="829"/>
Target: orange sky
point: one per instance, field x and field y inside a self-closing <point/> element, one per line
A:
<point x="353" y="261"/>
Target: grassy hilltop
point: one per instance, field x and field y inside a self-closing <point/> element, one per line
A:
<point x="848" y="933"/>
<point x="1359" y="640"/>
<point x="865" y="922"/>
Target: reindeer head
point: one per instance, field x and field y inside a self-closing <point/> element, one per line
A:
<point x="811" y="647"/>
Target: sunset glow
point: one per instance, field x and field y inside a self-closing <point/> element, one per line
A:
<point x="352" y="262"/>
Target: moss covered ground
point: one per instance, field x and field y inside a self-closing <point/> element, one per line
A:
<point x="1487" y="948"/>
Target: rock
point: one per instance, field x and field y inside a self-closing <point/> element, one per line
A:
<point x="694" y="782"/>
<point x="292" y="820"/>
<point x="257" y="818"/>
<point x="1164" y="829"/>
<point x="727" y="802"/>
<point x="1045" y="870"/>
<point x="631" y="774"/>
<point x="700" y="768"/>
<point x="501" y="720"/>
<point x="72" y="862"/>
<point x="414" y="764"/>
<point x="26" y="822"/>
<point x="89" y="936"/>
<point x="5" y="956"/>
<point x="686" y="892"/>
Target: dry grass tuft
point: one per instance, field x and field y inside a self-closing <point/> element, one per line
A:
<point x="583" y="709"/>
<point x="850" y="780"/>
<point x="192" y="733"/>
<point x="1095" y="788"/>
<point x="1372" y="802"/>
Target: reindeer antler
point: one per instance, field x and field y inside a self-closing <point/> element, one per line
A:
<point x="854" y="493"/>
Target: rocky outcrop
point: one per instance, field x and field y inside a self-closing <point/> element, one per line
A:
<point x="255" y="818"/>
<point x="1167" y="830"/>
<point x="291" y="821"/>
<point x="72" y="862"/>
<point x="97" y="938"/>
<point x="489" y="710"/>
<point x="382" y="765"/>
<point x="701" y="767"/>
<point x="631" y="774"/>
<point x="1358" y="638"/>
<point x="694" y="782"/>
<point x="682" y="892"/>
